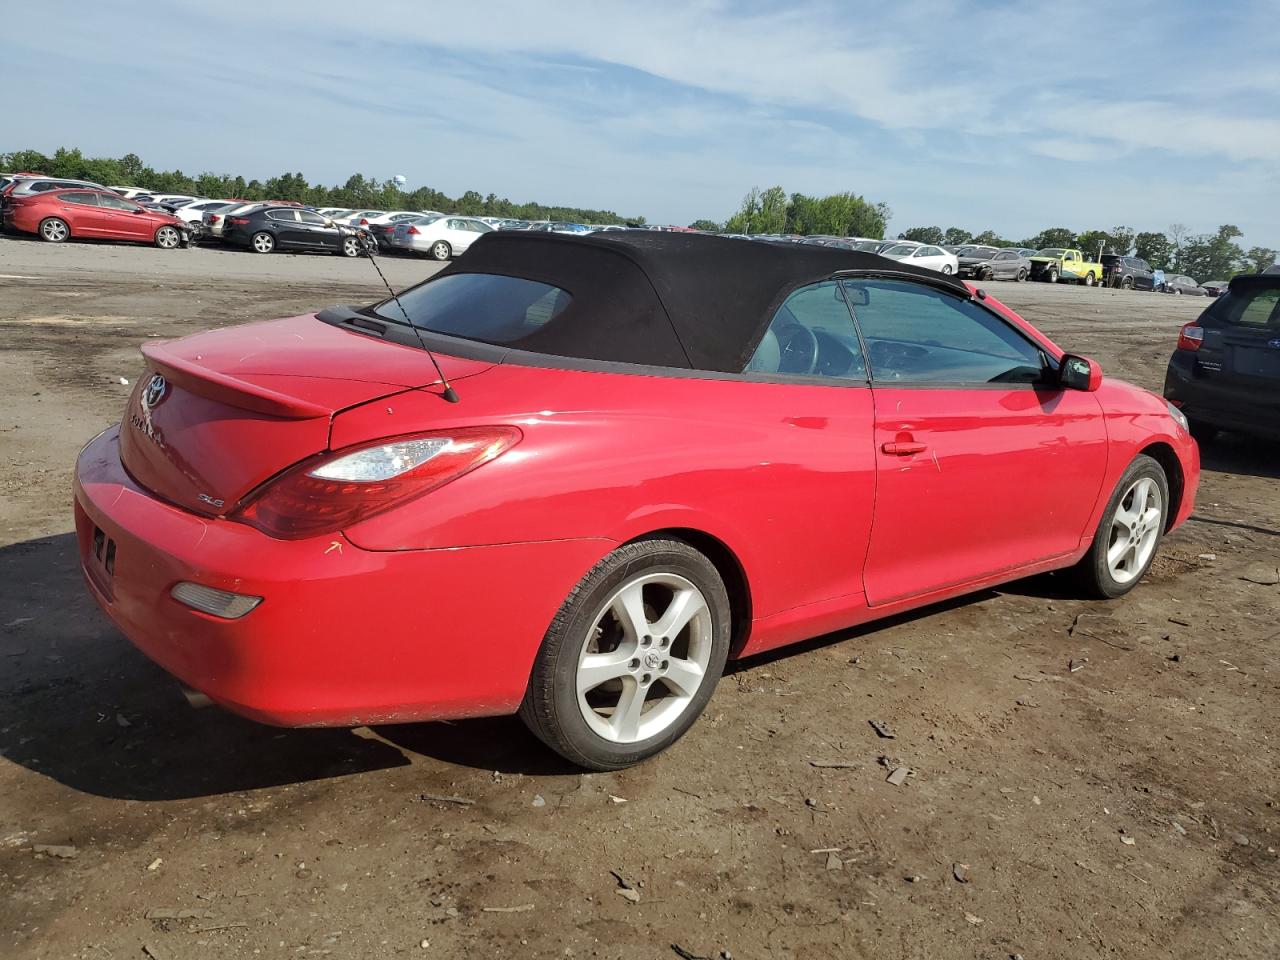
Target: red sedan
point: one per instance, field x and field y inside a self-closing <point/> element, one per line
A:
<point x="60" y="215"/>
<point x="641" y="454"/>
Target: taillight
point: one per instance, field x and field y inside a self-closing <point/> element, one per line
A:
<point x="340" y="489"/>
<point x="364" y="222"/>
<point x="237" y="221"/>
<point x="1191" y="337"/>
<point x="413" y="230"/>
<point x="214" y="218"/>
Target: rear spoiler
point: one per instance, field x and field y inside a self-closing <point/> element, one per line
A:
<point x="226" y="388"/>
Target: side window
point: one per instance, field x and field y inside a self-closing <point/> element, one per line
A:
<point x="286" y="215"/>
<point x="306" y="216"/>
<point x="919" y="334"/>
<point x="83" y="199"/>
<point x="812" y="334"/>
<point x="1004" y="256"/>
<point x="116" y="203"/>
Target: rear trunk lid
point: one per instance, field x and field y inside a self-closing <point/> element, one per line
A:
<point x="217" y="414"/>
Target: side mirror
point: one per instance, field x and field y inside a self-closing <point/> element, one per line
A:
<point x="1079" y="373"/>
<point x="330" y="223"/>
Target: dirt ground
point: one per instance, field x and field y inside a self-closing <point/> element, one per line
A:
<point x="1127" y="810"/>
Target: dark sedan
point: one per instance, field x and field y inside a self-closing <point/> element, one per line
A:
<point x="1225" y="373"/>
<point x="1181" y="285"/>
<point x="1127" y="273"/>
<point x="271" y="228"/>
<point x="993" y="263"/>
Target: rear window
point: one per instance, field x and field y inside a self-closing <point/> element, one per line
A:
<point x="1257" y="308"/>
<point x="480" y="306"/>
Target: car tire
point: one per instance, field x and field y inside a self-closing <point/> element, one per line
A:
<point x="1177" y="291"/>
<point x="53" y="230"/>
<point x="440" y="250"/>
<point x="168" y="238"/>
<point x="634" y="663"/>
<point x="946" y="269"/>
<point x="1051" y="275"/>
<point x="1129" y="535"/>
<point x="352" y="247"/>
<point x="1088" y="280"/>
<point x="1126" y="283"/>
<point x="1022" y="275"/>
<point x="262" y="242"/>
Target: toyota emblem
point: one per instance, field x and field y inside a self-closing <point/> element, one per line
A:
<point x="154" y="392"/>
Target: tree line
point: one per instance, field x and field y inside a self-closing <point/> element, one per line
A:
<point x="358" y="191"/>
<point x="775" y="211"/>
<point x="1206" y="256"/>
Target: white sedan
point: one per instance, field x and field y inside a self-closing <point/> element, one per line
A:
<point x="441" y="237"/>
<point x="194" y="212"/>
<point x="923" y="255"/>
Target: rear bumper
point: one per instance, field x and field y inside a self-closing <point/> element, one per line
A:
<point x="343" y="636"/>
<point x="1220" y="404"/>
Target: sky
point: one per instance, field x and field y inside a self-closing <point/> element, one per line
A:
<point x="1001" y="114"/>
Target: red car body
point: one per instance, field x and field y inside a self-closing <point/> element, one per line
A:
<point x="120" y="220"/>
<point x="436" y="608"/>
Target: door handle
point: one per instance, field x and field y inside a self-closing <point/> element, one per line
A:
<point x="903" y="449"/>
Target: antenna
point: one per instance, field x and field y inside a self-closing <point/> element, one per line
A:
<point x="368" y="245"/>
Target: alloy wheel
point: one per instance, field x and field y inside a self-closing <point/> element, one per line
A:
<point x="167" y="238"/>
<point x="1135" y="531"/>
<point x="263" y="243"/>
<point x="55" y="231"/>
<point x="644" y="658"/>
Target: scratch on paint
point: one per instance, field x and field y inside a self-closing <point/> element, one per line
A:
<point x="334" y="545"/>
<point x="935" y="461"/>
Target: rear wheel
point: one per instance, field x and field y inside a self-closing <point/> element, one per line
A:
<point x="262" y="243"/>
<point x="1132" y="526"/>
<point x="54" y="230"/>
<point x="1126" y="283"/>
<point x="632" y="657"/>
<point x="440" y="250"/>
<point x="168" y="238"/>
<point x="1088" y="279"/>
<point x="947" y="268"/>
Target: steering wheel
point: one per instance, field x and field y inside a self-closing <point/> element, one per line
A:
<point x="799" y="349"/>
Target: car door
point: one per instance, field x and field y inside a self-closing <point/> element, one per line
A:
<point x="984" y="464"/>
<point x="83" y="215"/>
<point x="126" y="220"/>
<point x="1004" y="265"/>
<point x="288" y="229"/>
<point x="1143" y="278"/>
<point x="314" y="231"/>
<point x="924" y="257"/>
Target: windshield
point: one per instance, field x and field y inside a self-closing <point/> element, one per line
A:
<point x="980" y="253"/>
<point x="479" y="306"/>
<point x="902" y="250"/>
<point x="1051" y="252"/>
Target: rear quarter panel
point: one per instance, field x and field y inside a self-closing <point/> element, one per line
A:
<point x="782" y="474"/>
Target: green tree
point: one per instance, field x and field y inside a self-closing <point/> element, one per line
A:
<point x="773" y="211"/>
<point x="1091" y="242"/>
<point x="1212" y="256"/>
<point x="932" y="235"/>
<point x="1259" y="259"/>
<point x="1053" y="237"/>
<point x="707" y="226"/>
<point x="1154" y="248"/>
<point x="747" y="218"/>
<point x="1122" y="240"/>
<point x="989" y="238"/>
<point x="954" y="236"/>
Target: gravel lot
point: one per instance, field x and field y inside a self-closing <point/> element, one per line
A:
<point x="1126" y="810"/>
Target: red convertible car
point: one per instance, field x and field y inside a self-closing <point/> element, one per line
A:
<point x="667" y="450"/>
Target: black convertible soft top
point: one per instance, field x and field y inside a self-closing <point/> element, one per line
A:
<point x="663" y="298"/>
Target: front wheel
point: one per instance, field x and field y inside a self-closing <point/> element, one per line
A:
<point x="262" y="243"/>
<point x="168" y="238"/>
<point x="54" y="230"/>
<point x="441" y="250"/>
<point x="1130" y="532"/>
<point x="632" y="656"/>
<point x="1052" y="275"/>
<point x="351" y="247"/>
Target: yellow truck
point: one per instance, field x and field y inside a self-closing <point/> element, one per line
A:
<point x="1058" y="263"/>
